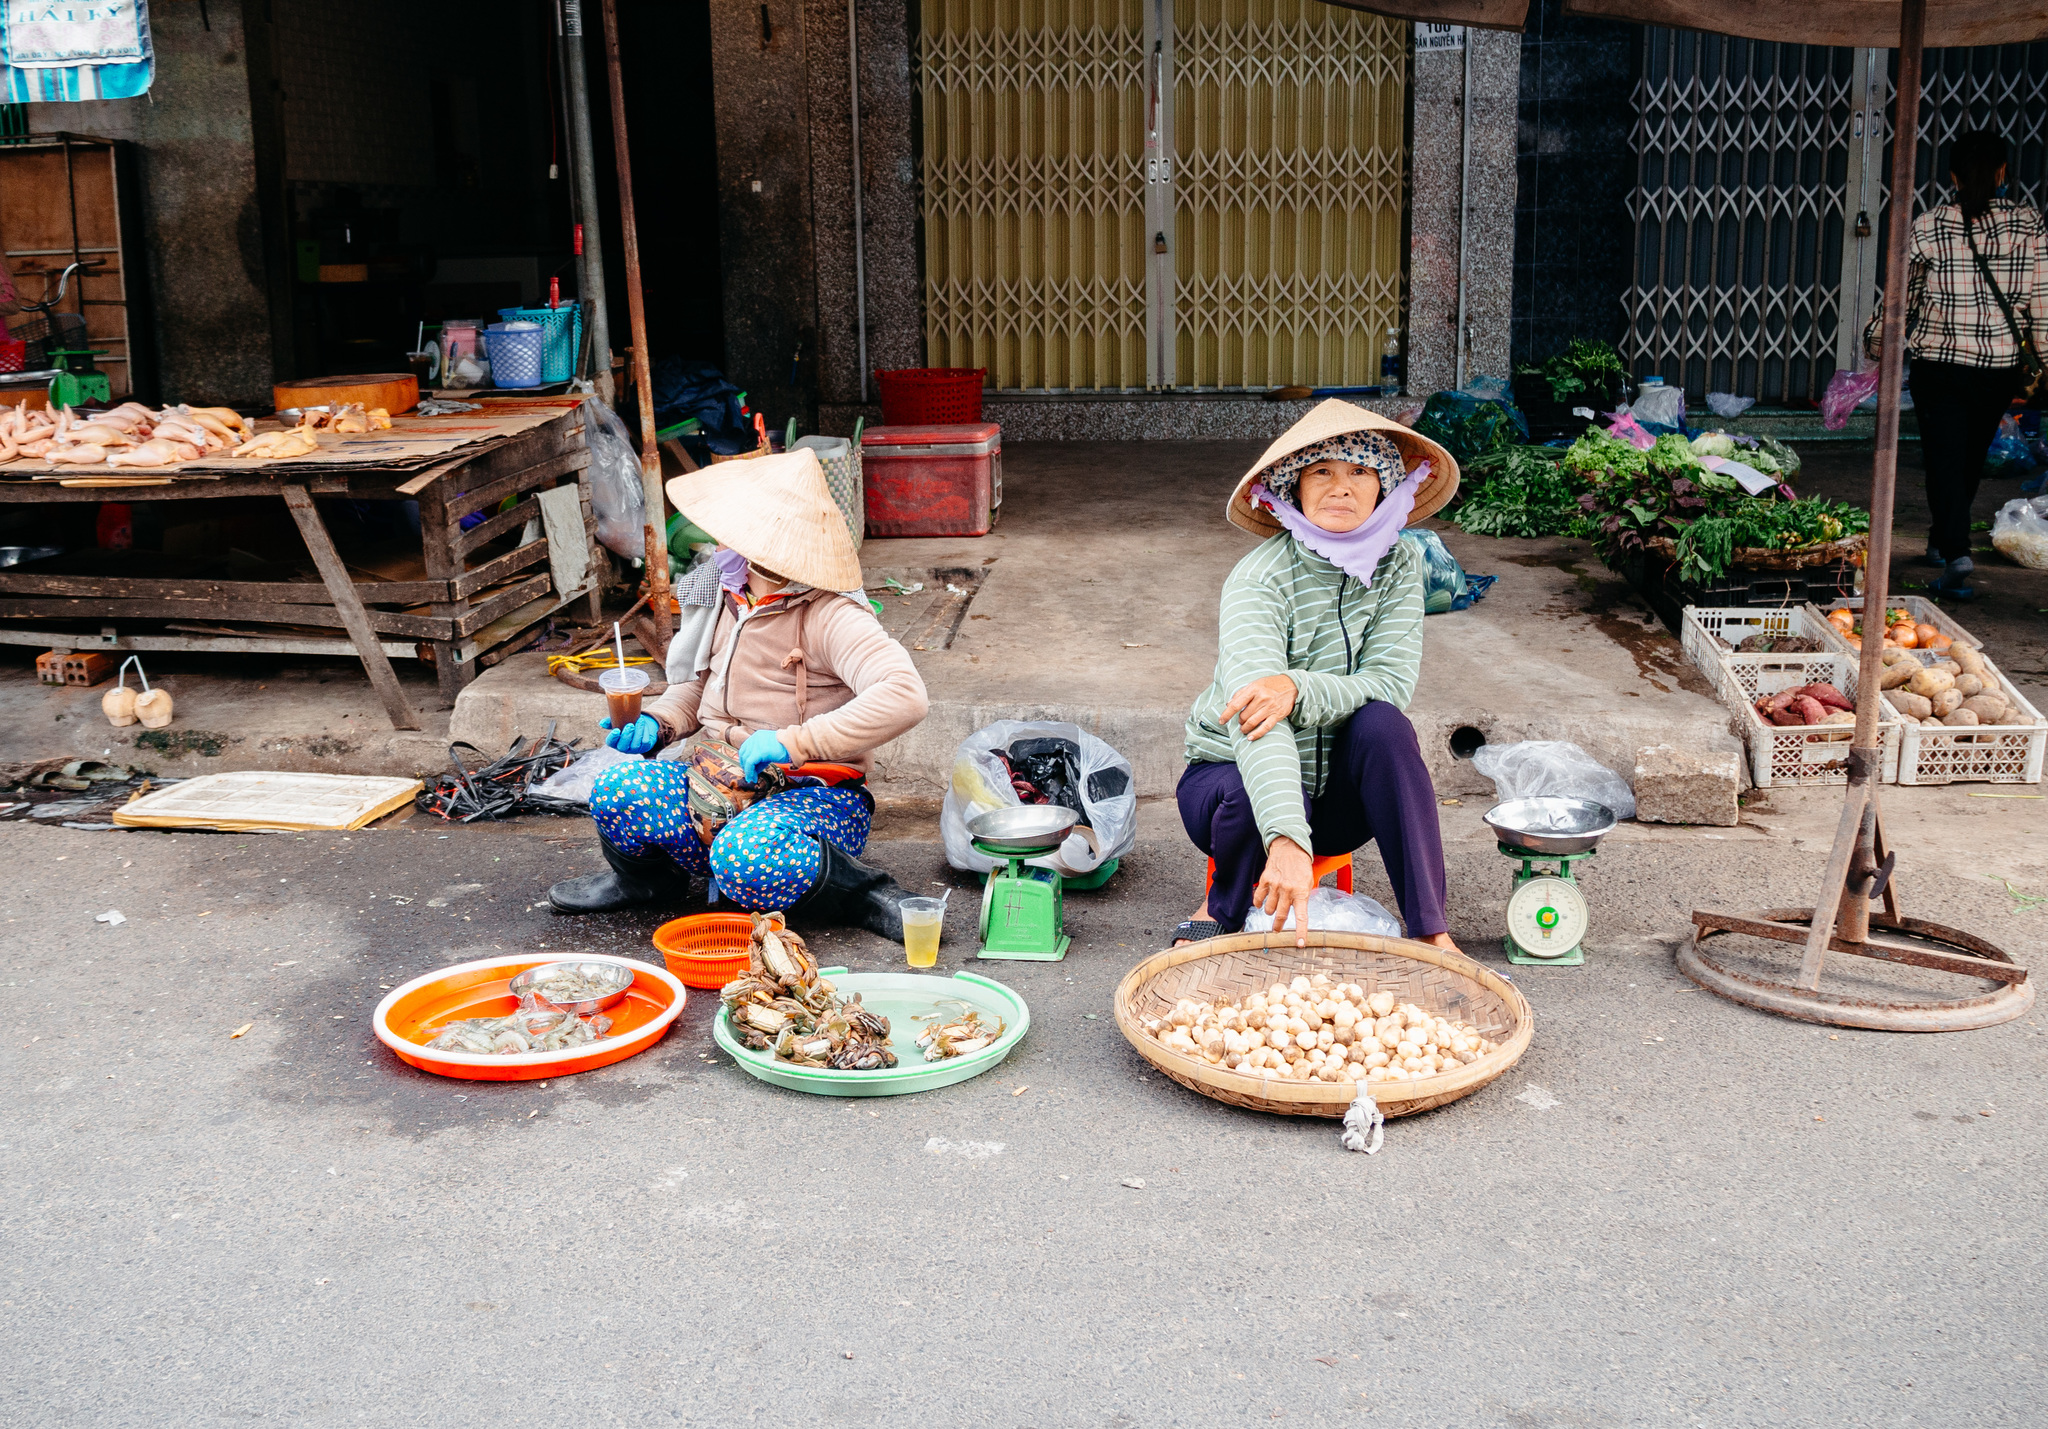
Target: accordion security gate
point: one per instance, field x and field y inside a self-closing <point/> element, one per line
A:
<point x="1760" y="197"/>
<point x="1192" y="194"/>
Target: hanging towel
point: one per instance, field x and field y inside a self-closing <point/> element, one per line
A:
<point x="89" y="49"/>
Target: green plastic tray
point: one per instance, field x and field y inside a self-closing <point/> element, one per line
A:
<point x="898" y="997"/>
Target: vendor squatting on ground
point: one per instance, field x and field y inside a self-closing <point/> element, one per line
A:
<point x="1300" y="748"/>
<point x="777" y="653"/>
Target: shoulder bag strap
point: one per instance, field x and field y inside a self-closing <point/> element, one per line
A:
<point x="2030" y="360"/>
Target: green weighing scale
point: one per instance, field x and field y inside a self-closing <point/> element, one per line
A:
<point x="1023" y="904"/>
<point x="1547" y="912"/>
<point x="74" y="386"/>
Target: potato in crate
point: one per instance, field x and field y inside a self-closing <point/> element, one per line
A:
<point x="1962" y="720"/>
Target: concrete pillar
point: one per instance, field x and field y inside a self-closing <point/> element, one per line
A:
<point x="889" y="195"/>
<point x="203" y="227"/>
<point x="766" y="206"/>
<point x="1437" y="160"/>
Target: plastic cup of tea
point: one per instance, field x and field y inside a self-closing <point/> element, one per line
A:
<point x="923" y="919"/>
<point x="622" y="688"/>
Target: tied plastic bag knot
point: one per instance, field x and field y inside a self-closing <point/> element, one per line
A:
<point x="1365" y="1125"/>
<point x="1539" y="768"/>
<point x="1334" y="911"/>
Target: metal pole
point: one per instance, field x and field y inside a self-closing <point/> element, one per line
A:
<point x="641" y="369"/>
<point x="860" y="256"/>
<point x="1464" y="199"/>
<point x="1864" y="765"/>
<point x="583" y="159"/>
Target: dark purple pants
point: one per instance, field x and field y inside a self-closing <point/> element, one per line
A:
<point x="1378" y="789"/>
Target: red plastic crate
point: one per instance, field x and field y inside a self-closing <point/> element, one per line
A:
<point x="943" y="480"/>
<point x="13" y="354"/>
<point x="922" y="396"/>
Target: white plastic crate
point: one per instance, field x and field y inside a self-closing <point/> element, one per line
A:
<point x="1985" y="753"/>
<point x="1799" y="754"/>
<point x="1703" y="623"/>
<point x="1924" y="612"/>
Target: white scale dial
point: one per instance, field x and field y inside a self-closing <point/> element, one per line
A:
<point x="1547" y="917"/>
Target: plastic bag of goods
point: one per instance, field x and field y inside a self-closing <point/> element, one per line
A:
<point x="1659" y="406"/>
<point x="573" y="782"/>
<point x="1727" y="404"/>
<point x="1846" y="391"/>
<point x="1467" y="426"/>
<point x="1334" y="911"/>
<point x="2019" y="532"/>
<point x="617" y="499"/>
<point x="1054" y="763"/>
<point x="1551" y="768"/>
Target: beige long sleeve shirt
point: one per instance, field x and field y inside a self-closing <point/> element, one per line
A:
<point x="860" y="688"/>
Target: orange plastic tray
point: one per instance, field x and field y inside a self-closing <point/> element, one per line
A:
<point x="482" y="989"/>
<point x="705" y="949"/>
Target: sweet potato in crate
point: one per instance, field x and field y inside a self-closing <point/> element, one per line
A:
<point x="1798" y="754"/>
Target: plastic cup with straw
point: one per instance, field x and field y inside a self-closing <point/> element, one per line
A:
<point x="622" y="686"/>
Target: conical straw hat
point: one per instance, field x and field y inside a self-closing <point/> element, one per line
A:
<point x="1334" y="418"/>
<point x="778" y="513"/>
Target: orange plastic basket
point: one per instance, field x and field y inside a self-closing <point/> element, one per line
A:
<point x="705" y="949"/>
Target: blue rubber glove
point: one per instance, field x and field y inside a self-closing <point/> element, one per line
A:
<point x="761" y="748"/>
<point x="636" y="738"/>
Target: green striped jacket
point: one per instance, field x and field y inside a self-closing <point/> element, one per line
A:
<point x="1287" y="611"/>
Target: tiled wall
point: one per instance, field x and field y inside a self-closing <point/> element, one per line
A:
<point x="1576" y="166"/>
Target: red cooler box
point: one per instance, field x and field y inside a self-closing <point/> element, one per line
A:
<point x="933" y="480"/>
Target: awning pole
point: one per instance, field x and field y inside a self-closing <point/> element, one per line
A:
<point x="583" y="159"/>
<point x="642" y="366"/>
<point x="1852" y="918"/>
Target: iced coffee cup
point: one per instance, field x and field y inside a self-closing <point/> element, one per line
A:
<point x="622" y="689"/>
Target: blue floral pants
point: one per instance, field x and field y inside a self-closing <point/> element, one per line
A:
<point x="766" y="858"/>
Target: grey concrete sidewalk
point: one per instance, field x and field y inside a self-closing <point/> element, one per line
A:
<point x="1099" y="606"/>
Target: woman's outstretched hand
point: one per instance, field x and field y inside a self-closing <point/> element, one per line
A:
<point x="1261" y="705"/>
<point x="1284" y="886"/>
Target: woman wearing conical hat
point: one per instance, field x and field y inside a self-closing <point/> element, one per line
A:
<point x="788" y="665"/>
<point x="1300" y="749"/>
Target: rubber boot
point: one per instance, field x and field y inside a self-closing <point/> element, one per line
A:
<point x="850" y="894"/>
<point x="632" y="880"/>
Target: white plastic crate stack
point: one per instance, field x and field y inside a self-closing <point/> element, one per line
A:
<point x="1782" y="755"/>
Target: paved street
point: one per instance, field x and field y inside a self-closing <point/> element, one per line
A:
<point x="1674" y="1210"/>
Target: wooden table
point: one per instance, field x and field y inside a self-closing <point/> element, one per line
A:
<point x="466" y="622"/>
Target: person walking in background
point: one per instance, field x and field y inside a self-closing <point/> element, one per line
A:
<point x="1976" y="317"/>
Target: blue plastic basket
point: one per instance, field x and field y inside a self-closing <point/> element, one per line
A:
<point x="515" y="356"/>
<point x="561" y="333"/>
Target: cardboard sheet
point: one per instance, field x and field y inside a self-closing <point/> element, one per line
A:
<point x="412" y="441"/>
<point x="249" y="800"/>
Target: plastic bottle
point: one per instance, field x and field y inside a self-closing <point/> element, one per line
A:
<point x="1393" y="376"/>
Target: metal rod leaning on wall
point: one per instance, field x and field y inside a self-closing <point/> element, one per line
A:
<point x="583" y="161"/>
<point x="643" y="374"/>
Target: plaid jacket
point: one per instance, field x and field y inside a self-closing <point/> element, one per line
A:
<point x="1951" y="315"/>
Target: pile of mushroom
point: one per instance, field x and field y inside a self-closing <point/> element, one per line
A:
<point x="1312" y="1029"/>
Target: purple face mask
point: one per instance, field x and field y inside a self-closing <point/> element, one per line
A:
<point x="732" y="569"/>
<point x="1357" y="553"/>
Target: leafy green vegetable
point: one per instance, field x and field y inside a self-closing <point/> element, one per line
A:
<point x="1585" y="366"/>
<point x="1707" y="547"/>
<point x="1469" y="427"/>
<point x="1522" y="491"/>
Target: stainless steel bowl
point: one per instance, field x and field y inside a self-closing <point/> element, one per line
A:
<point x="1551" y="825"/>
<point x="616" y="976"/>
<point x="1027" y="828"/>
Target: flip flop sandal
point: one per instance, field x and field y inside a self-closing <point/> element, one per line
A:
<point x="1194" y="931"/>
